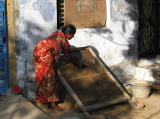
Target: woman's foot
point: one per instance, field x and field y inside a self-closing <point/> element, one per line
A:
<point x="48" y="105"/>
<point x="56" y="107"/>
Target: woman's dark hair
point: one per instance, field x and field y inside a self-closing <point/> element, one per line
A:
<point x="71" y="29"/>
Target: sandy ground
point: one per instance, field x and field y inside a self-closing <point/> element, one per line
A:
<point x="119" y="111"/>
<point x="93" y="86"/>
<point x="125" y="111"/>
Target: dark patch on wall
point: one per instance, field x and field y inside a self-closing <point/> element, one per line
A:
<point x="46" y="9"/>
<point x="124" y="10"/>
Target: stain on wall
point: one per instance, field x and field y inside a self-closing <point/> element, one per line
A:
<point x="46" y="9"/>
<point x="36" y="19"/>
<point x="123" y="10"/>
<point x="22" y="1"/>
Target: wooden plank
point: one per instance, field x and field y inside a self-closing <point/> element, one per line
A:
<point x="78" y="49"/>
<point x="150" y="65"/>
<point x="136" y="103"/>
<point x="105" y="104"/>
<point x="125" y="63"/>
<point x="110" y="75"/>
<point x="73" y="94"/>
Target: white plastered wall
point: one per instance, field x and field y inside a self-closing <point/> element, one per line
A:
<point x="114" y="44"/>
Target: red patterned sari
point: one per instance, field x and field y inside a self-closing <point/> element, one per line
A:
<point x="46" y="53"/>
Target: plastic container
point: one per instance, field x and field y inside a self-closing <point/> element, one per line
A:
<point x="140" y="88"/>
<point x="16" y="90"/>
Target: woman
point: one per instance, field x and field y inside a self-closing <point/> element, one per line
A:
<point x="46" y="53"/>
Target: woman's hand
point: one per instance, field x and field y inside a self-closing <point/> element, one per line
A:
<point x="81" y="65"/>
<point x="64" y="63"/>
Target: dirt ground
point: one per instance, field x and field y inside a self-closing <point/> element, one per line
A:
<point x="96" y="87"/>
<point x="93" y="86"/>
<point x="119" y="111"/>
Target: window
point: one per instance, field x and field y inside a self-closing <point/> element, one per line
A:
<point x="149" y="28"/>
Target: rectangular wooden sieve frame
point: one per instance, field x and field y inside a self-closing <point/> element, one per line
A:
<point x="126" y="97"/>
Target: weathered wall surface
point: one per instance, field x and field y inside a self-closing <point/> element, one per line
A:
<point x="115" y="44"/>
<point x="36" y="20"/>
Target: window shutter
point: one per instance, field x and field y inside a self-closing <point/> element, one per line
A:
<point x="3" y="50"/>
